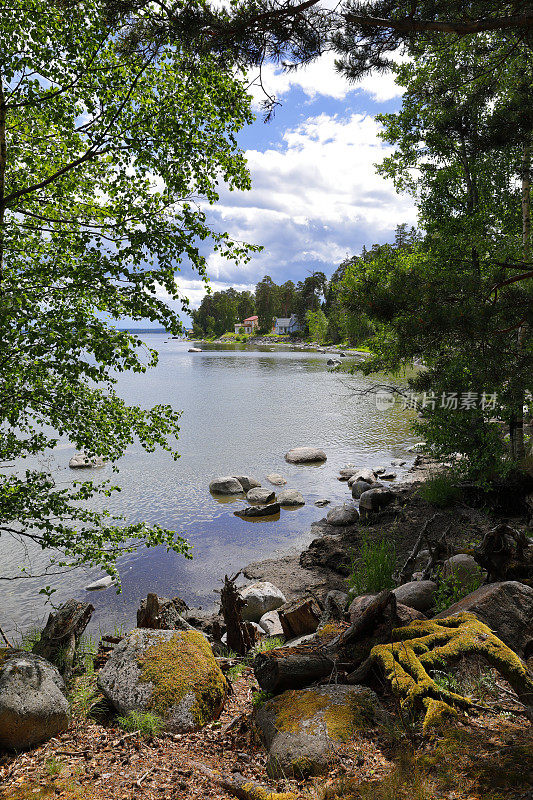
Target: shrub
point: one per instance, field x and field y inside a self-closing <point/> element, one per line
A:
<point x="451" y="589"/>
<point x="440" y="490"/>
<point x="145" y="723"/>
<point x="372" y="570"/>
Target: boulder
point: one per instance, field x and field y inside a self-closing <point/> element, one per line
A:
<point x="359" y="487"/>
<point x="247" y="482"/>
<point x="375" y="499"/>
<point x="260" y="496"/>
<point x="275" y="479"/>
<point x="417" y="594"/>
<point x="322" y="502"/>
<point x="259" y="511"/>
<point x="271" y="624"/>
<point x="170" y="673"/>
<point x="305" y="455"/>
<point x="194" y="350"/>
<point x="226" y="485"/>
<point x="343" y="515"/>
<point x="290" y="497"/>
<point x="329" y="553"/>
<point x="465" y="570"/>
<point x="404" y="614"/>
<point x="33" y="707"/>
<point x="333" y="362"/>
<point x="301" y="729"/>
<point x="335" y="604"/>
<point x="83" y="461"/>
<point x="506" y="607"/>
<point x="260" y="598"/>
<point x="207" y="622"/>
<point x="101" y="583"/>
<point x="362" y="474"/>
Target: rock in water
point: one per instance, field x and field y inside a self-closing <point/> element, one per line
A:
<point x="361" y="486"/>
<point x="361" y="474"/>
<point x="343" y="515"/>
<point x="169" y="673"/>
<point x="247" y="482"/>
<point x="291" y="497"/>
<point x="275" y="479"/>
<point x="101" y="583"/>
<point x="260" y="496"/>
<point x="195" y="350"/>
<point x="33" y="707"/>
<point x="226" y="485"/>
<point x="83" y="461"/>
<point x="301" y="728"/>
<point x="259" y="511"/>
<point x="305" y="455"/>
<point x="260" y="598"/>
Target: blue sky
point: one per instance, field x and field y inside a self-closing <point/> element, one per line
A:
<point x="315" y="196"/>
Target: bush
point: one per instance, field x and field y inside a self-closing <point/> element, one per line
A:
<point x="146" y="724"/>
<point x="440" y="490"/>
<point x="451" y="589"/>
<point x="373" y="570"/>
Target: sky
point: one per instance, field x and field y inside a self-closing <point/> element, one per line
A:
<point x="315" y="197"/>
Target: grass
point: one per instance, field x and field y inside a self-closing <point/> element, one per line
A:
<point x="148" y="725"/>
<point x="440" y="490"/>
<point x="451" y="589"/>
<point x="372" y="570"/>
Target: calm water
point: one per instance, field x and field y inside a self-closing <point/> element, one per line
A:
<point x="242" y="410"/>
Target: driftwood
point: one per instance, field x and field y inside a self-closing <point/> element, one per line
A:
<point x="60" y="637"/>
<point x="299" y="617"/>
<point x="240" y="637"/>
<point x="160" y="613"/>
<point x="506" y="555"/>
<point x="323" y="655"/>
<point x="407" y="570"/>
<point x="240" y="787"/>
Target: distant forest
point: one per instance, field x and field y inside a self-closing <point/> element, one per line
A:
<point x="324" y="308"/>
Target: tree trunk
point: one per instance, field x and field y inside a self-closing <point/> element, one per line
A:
<point x="60" y="637"/>
<point x="3" y="163"/>
<point x="239" y="636"/>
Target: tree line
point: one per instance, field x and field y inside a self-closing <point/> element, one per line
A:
<point x="321" y="306"/>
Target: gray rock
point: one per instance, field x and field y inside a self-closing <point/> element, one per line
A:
<point x="334" y="606"/>
<point x="506" y="607"/>
<point x="332" y="362"/>
<point x="270" y="623"/>
<point x="171" y="673"/>
<point x="465" y="570"/>
<point x="302" y="729"/>
<point x="195" y="350"/>
<point x="260" y="495"/>
<point x="362" y="474"/>
<point x="291" y="497"/>
<point x="327" y="552"/>
<point x="343" y="515"/>
<point x="259" y="511"/>
<point x="398" y="463"/>
<point x="275" y="479"/>
<point x="375" y="499"/>
<point x="305" y="455"/>
<point x="359" y="487"/>
<point x="247" y="482"/>
<point x="405" y="614"/>
<point x="322" y="502"/>
<point x="225" y="485"/>
<point x="102" y="583"/>
<point x="380" y="470"/>
<point x="388" y="475"/>
<point x="260" y="598"/>
<point x="33" y="707"/>
<point x="82" y="461"/>
<point x="417" y="594"/>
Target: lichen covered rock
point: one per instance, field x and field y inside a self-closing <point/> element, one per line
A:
<point x="170" y="673"/>
<point x="301" y="728"/>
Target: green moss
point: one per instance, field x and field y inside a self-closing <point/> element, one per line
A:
<point x="426" y="644"/>
<point x="341" y="720"/>
<point x="257" y="792"/>
<point x="178" y="665"/>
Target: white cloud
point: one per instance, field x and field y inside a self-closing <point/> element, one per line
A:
<point x="195" y="289"/>
<point x="321" y="79"/>
<point x="313" y="201"/>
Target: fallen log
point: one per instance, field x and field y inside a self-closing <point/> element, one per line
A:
<point x="336" y="647"/>
<point x="61" y="634"/>
<point x="241" y="787"/>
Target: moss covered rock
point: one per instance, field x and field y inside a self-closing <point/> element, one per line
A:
<point x="301" y="729"/>
<point x="170" y="673"/>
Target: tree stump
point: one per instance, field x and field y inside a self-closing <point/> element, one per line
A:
<point x="299" y="617"/>
<point x="60" y="637"/>
<point x="240" y="637"/>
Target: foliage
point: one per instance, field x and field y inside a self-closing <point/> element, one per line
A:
<point x="317" y="324"/>
<point x="373" y="567"/>
<point x="260" y="697"/>
<point x="440" y="489"/>
<point x="451" y="589"/>
<point x="97" y="178"/>
<point x="147" y="724"/>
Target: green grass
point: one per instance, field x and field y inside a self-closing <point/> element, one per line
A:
<point x="373" y="568"/>
<point x="440" y="490"/>
<point x="148" y="725"/>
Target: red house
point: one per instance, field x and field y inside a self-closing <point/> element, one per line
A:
<point x="249" y="325"/>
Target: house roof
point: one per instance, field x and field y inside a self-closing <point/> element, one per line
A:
<point x="251" y="319"/>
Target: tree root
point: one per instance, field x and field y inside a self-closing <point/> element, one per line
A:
<point x="424" y="645"/>
<point x="241" y="787"/>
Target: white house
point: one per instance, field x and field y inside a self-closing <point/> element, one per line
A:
<point x="284" y="325"/>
